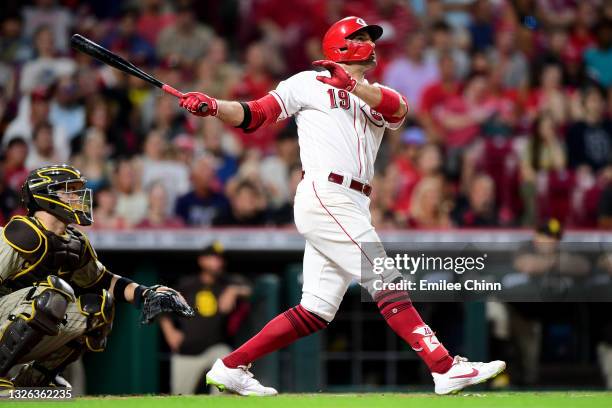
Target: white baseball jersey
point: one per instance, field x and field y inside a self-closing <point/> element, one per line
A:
<point x="337" y="131"/>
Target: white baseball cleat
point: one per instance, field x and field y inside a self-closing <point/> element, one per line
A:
<point x="464" y="373"/>
<point x="237" y="380"/>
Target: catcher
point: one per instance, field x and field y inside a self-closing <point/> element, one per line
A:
<point x="56" y="298"/>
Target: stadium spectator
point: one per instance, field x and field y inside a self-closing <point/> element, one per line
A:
<point x="42" y="152"/>
<point x="14" y="168"/>
<point x="428" y="206"/>
<point x="436" y="94"/>
<point x="481" y="27"/>
<point x="167" y="120"/>
<point x="105" y="210"/>
<point x="598" y="59"/>
<point x="65" y="110"/>
<point x="442" y="43"/>
<point x="462" y="116"/>
<point x="201" y="205"/>
<point x="581" y="34"/>
<point x="14" y="48"/>
<point x="247" y="207"/>
<point x="158" y="212"/>
<point x="186" y="40"/>
<point x="283" y="215"/>
<point x="48" y="13"/>
<point x="543" y="152"/>
<point x="275" y="168"/>
<point x="34" y="110"/>
<point x="549" y="95"/>
<point x="131" y="200"/>
<point x="156" y="164"/>
<point x="154" y="17"/>
<point x="47" y="66"/>
<point x="255" y="83"/>
<point x="510" y="63"/>
<point x="410" y="72"/>
<point x="477" y="208"/>
<point x="215" y="143"/>
<point x="219" y="299"/>
<point x="93" y="160"/>
<point x="214" y="74"/>
<point x="414" y="160"/>
<point x="125" y="40"/>
<point x="589" y="140"/>
<point x="9" y="200"/>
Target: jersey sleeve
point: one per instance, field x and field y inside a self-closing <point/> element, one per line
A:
<point x="289" y="95"/>
<point x="10" y="261"/>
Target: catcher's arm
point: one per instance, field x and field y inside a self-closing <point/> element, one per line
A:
<point x="154" y="300"/>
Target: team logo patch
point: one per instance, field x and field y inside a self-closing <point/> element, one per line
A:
<point x="206" y="303"/>
<point x="360" y="21"/>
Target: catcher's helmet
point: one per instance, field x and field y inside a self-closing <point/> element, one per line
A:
<point x="336" y="46"/>
<point x="59" y="190"/>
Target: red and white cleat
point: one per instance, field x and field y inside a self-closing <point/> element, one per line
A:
<point x="464" y="373"/>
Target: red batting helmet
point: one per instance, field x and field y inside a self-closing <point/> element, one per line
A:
<point x="338" y="48"/>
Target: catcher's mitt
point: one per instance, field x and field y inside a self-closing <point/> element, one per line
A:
<point x="168" y="301"/>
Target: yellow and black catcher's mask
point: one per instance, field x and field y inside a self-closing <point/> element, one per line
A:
<point x="59" y="190"/>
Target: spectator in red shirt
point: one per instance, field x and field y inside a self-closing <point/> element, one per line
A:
<point x="416" y="161"/>
<point x="15" y="171"/>
<point x="153" y="19"/>
<point x="256" y="82"/>
<point x="436" y="94"/>
<point x="581" y="37"/>
<point x="428" y="208"/>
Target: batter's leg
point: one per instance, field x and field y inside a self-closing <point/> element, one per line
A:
<point x="317" y="308"/>
<point x="324" y="287"/>
<point x="354" y="246"/>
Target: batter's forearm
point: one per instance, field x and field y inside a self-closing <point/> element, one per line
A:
<point x="372" y="95"/>
<point x="230" y="112"/>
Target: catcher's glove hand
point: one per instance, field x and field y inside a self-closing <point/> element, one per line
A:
<point x="165" y="301"/>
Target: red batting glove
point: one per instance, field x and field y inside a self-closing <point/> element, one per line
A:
<point x="199" y="104"/>
<point x="339" y="77"/>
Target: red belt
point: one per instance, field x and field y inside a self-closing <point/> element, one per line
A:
<point x="363" y="188"/>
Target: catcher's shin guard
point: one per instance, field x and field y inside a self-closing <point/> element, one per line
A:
<point x="100" y="312"/>
<point x="28" y="329"/>
<point x="46" y="373"/>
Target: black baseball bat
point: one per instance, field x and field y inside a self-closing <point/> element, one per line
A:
<point x="86" y="46"/>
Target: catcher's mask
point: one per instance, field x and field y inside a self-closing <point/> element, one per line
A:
<point x="59" y="190"/>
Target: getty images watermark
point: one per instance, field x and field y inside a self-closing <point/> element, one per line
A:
<point x="527" y="271"/>
<point x="408" y="264"/>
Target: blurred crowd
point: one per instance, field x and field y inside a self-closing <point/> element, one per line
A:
<point x="510" y="109"/>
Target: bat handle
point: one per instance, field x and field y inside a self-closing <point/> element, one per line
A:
<point x="178" y="94"/>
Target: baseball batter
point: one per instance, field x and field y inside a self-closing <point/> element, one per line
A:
<point x="341" y="120"/>
<point x="56" y="297"/>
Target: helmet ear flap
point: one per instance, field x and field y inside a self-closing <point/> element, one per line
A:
<point x="27" y="199"/>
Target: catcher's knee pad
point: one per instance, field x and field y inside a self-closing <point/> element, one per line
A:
<point x="28" y="328"/>
<point x="100" y="312"/>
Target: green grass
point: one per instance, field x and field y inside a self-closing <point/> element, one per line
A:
<point x="467" y="400"/>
